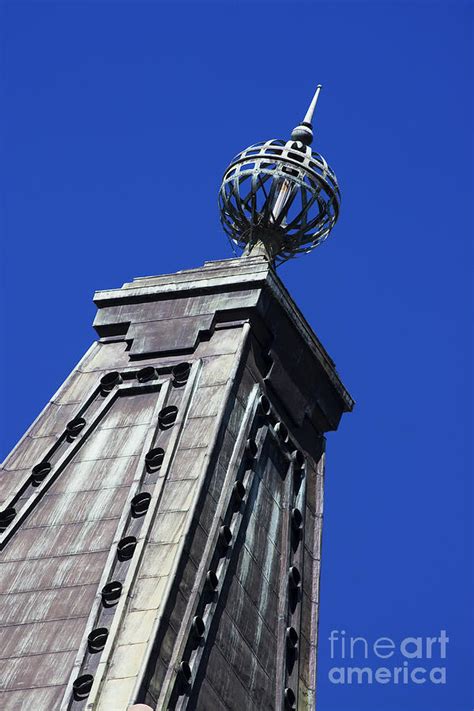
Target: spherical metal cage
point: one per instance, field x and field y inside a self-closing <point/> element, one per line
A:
<point x="281" y="194"/>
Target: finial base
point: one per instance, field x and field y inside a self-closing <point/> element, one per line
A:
<point x="303" y="133"/>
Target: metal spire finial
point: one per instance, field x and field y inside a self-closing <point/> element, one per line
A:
<point x="304" y="131"/>
<point x="280" y="198"/>
<point x="309" y="114"/>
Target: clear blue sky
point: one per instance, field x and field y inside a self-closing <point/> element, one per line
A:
<point x="118" y="119"/>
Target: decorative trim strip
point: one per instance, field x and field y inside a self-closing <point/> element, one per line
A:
<point x="134" y="565"/>
<point x="220" y="423"/>
<point x="205" y="565"/>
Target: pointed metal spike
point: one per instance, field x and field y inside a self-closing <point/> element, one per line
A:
<point x="310" y="112"/>
<point x="304" y="131"/>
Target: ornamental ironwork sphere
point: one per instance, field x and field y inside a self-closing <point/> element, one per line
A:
<point x="280" y="196"/>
